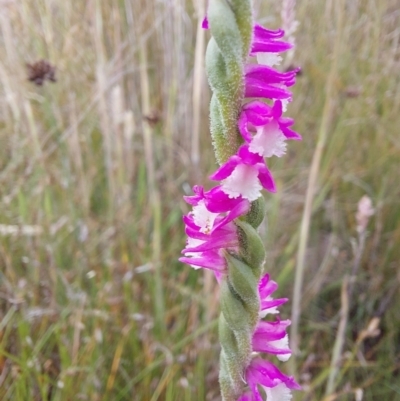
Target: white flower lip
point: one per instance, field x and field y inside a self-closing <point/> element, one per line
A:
<point x="203" y="217"/>
<point x="269" y="141"/>
<point x="243" y="181"/>
<point x="269" y="59"/>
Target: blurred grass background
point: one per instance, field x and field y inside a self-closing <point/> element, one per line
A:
<point x="93" y="302"/>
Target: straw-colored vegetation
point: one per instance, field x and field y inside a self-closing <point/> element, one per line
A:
<point x="93" y="302"/>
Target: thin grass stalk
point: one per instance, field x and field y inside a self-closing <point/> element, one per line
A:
<point x="102" y="104"/>
<point x="129" y="118"/>
<point x="289" y="25"/>
<point x="365" y="211"/>
<point x="34" y="133"/>
<point x="118" y="108"/>
<point x="117" y="359"/>
<point x="48" y="34"/>
<point x="75" y="155"/>
<point x="117" y="118"/>
<point x="129" y="131"/>
<point x="171" y="38"/>
<point x="166" y="378"/>
<point x="198" y="75"/>
<point x="340" y="337"/>
<point x="7" y="35"/>
<point x="346" y="296"/>
<point x="312" y="184"/>
<point x="154" y="196"/>
<point x="11" y="98"/>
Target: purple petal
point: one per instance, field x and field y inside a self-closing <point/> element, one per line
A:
<point x="204" y="24"/>
<point x="210" y="261"/>
<point x="290" y="134"/>
<point x="265" y="177"/>
<point x="265" y="373"/>
<point x="195" y="233"/>
<point x="277" y="110"/>
<point x="217" y="201"/>
<point x="242" y="125"/>
<point x="272" y="330"/>
<point x="256" y="374"/>
<point x="269" y="46"/>
<point x="286" y="121"/>
<point x="257" y="112"/>
<point x="272" y="303"/>
<point x="266" y="286"/>
<point x="197" y="197"/>
<point x="248" y="157"/>
<point x="270" y="349"/>
<point x="220" y="232"/>
<point x="226" y="169"/>
<point x="262" y="33"/>
<point x="261" y="344"/>
<point x="239" y="210"/>
<point x="216" y="243"/>
<point x="268" y="74"/>
<point x="257" y="88"/>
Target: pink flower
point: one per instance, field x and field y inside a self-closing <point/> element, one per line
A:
<point x="206" y="250"/>
<point x="265" y="82"/>
<point x="271" y="338"/>
<point x="276" y="385"/>
<point x="270" y="129"/>
<point x="268" y="305"/>
<point x="204" y="246"/>
<point x="244" y="175"/>
<point x="216" y="201"/>
<point x="262" y="80"/>
<point x="209" y="231"/>
<point x="267" y="41"/>
<point x="266" y="46"/>
<point x="269" y="75"/>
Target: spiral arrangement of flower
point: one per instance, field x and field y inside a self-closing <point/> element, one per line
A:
<point x="247" y="127"/>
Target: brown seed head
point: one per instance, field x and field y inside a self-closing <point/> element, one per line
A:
<point x="41" y="70"/>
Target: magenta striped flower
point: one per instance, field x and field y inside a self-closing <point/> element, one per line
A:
<point x="265" y="82"/>
<point x="217" y="201"/>
<point x="244" y="175"/>
<point x="276" y="385"/>
<point x="268" y="305"/>
<point x="264" y="128"/>
<point x="266" y="44"/>
<point x="269" y="75"/>
<point x="268" y="41"/>
<point x="210" y="229"/>
<point x="269" y="337"/>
